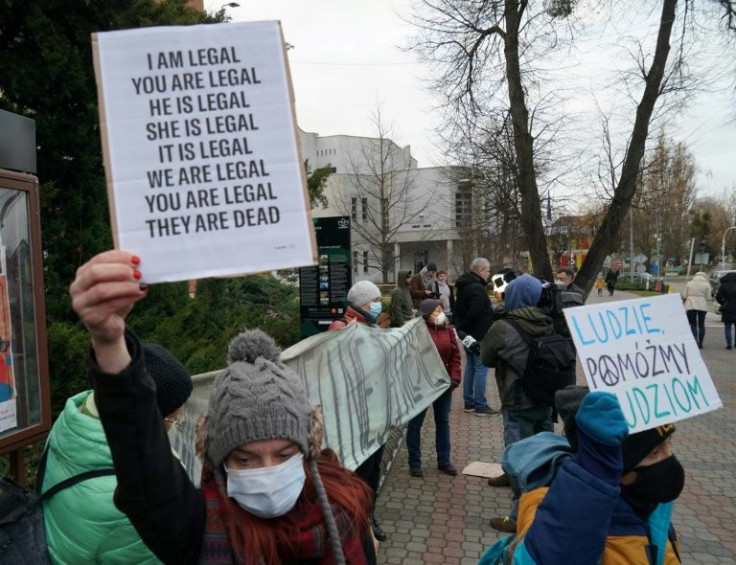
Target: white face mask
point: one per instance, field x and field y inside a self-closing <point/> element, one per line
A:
<point x="440" y="320"/>
<point x="268" y="492"/>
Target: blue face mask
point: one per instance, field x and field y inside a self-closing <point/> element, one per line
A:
<point x="376" y="308"/>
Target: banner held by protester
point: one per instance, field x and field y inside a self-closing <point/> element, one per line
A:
<point x="644" y="352"/>
<point x="368" y="381"/>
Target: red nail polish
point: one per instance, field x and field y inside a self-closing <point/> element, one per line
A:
<point x="137" y="274"/>
<point x="135" y="260"/>
<point x="143" y="287"/>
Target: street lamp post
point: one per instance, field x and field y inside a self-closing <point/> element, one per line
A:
<point x="723" y="247"/>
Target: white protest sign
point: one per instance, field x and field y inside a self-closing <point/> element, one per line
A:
<point x="200" y="147"/>
<point x="644" y="352"/>
<point x="368" y="381"/>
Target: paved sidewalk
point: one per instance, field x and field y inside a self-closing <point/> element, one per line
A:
<point x="442" y="519"/>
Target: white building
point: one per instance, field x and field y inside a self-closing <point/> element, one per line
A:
<point x="423" y="207"/>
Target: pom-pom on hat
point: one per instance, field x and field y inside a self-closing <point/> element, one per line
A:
<point x="173" y="382"/>
<point x="427" y="306"/>
<point x="362" y="292"/>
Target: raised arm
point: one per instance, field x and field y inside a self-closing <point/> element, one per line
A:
<point x="153" y="490"/>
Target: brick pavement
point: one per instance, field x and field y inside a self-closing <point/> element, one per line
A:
<point x="442" y="519"/>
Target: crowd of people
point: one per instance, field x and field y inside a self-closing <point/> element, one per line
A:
<point x="270" y="494"/>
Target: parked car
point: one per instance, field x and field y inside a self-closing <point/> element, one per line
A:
<point x="643" y="281"/>
<point x="715" y="279"/>
<point x="637" y="278"/>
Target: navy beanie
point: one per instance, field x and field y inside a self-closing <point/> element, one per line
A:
<point x="173" y="383"/>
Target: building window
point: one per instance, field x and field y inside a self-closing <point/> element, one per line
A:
<point x="365" y="261"/>
<point x="463" y="205"/>
<point x="355" y="262"/>
<point x="354" y="208"/>
<point x="364" y="202"/>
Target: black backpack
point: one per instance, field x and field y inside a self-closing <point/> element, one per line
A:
<point x="553" y="300"/>
<point x="22" y="531"/>
<point x="550" y="365"/>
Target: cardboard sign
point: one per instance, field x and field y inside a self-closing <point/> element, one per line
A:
<point x="643" y="352"/>
<point x="200" y="148"/>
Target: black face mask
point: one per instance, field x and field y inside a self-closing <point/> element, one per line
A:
<point x="661" y="482"/>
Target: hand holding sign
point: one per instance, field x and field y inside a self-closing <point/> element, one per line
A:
<point x="643" y="352"/>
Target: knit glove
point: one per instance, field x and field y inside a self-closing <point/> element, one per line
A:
<point x="601" y="430"/>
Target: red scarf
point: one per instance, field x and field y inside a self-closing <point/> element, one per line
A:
<point x="307" y="533"/>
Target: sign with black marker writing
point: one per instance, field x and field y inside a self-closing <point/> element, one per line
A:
<point x="200" y="147"/>
<point x="644" y="352"/>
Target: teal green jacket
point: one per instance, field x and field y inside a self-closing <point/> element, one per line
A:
<point x="83" y="526"/>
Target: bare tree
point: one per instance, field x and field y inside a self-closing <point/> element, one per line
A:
<point x="488" y="52"/>
<point x="381" y="195"/>
<point x="665" y="194"/>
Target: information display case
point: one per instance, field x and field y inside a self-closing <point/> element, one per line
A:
<point x="25" y="406"/>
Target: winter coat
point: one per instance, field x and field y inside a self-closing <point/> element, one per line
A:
<point x="154" y="489"/>
<point x="82" y="523"/>
<point x="418" y="289"/>
<point x="505" y="350"/>
<point x="401" y="304"/>
<point x="599" y="525"/>
<point x="697" y="292"/>
<point x="473" y="312"/>
<point x="726" y="297"/>
<point x="445" y="340"/>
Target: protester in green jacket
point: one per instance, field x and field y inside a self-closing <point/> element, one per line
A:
<point x="83" y="526"/>
<point x="402" y="309"/>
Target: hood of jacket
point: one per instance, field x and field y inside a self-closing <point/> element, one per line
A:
<point x="467" y="279"/>
<point x="401" y="279"/>
<point x="525" y="290"/>
<point x="531" y="319"/>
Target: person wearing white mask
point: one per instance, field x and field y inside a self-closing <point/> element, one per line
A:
<point x="268" y="494"/>
<point x="445" y="340"/>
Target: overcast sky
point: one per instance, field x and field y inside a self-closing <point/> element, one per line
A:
<point x="346" y="61"/>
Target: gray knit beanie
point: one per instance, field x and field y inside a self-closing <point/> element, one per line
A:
<point x="427" y="306"/>
<point x="259" y="398"/>
<point x="363" y="292"/>
<point x="256" y="398"/>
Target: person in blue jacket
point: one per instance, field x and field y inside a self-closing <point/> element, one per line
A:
<point x="597" y="496"/>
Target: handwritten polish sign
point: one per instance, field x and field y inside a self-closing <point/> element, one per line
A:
<point x="644" y="352"/>
<point x="200" y="148"/>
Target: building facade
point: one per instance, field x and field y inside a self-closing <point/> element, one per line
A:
<point x="403" y="216"/>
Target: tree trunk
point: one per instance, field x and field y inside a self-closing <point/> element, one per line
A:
<point x="531" y="216"/>
<point x="607" y="236"/>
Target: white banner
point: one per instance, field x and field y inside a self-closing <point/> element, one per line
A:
<point x="367" y="380"/>
<point x="644" y="352"/>
<point x="199" y="139"/>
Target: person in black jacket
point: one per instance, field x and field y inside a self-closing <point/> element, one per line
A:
<point x="473" y="317"/>
<point x="726" y="297"/>
<point x="268" y="494"/>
